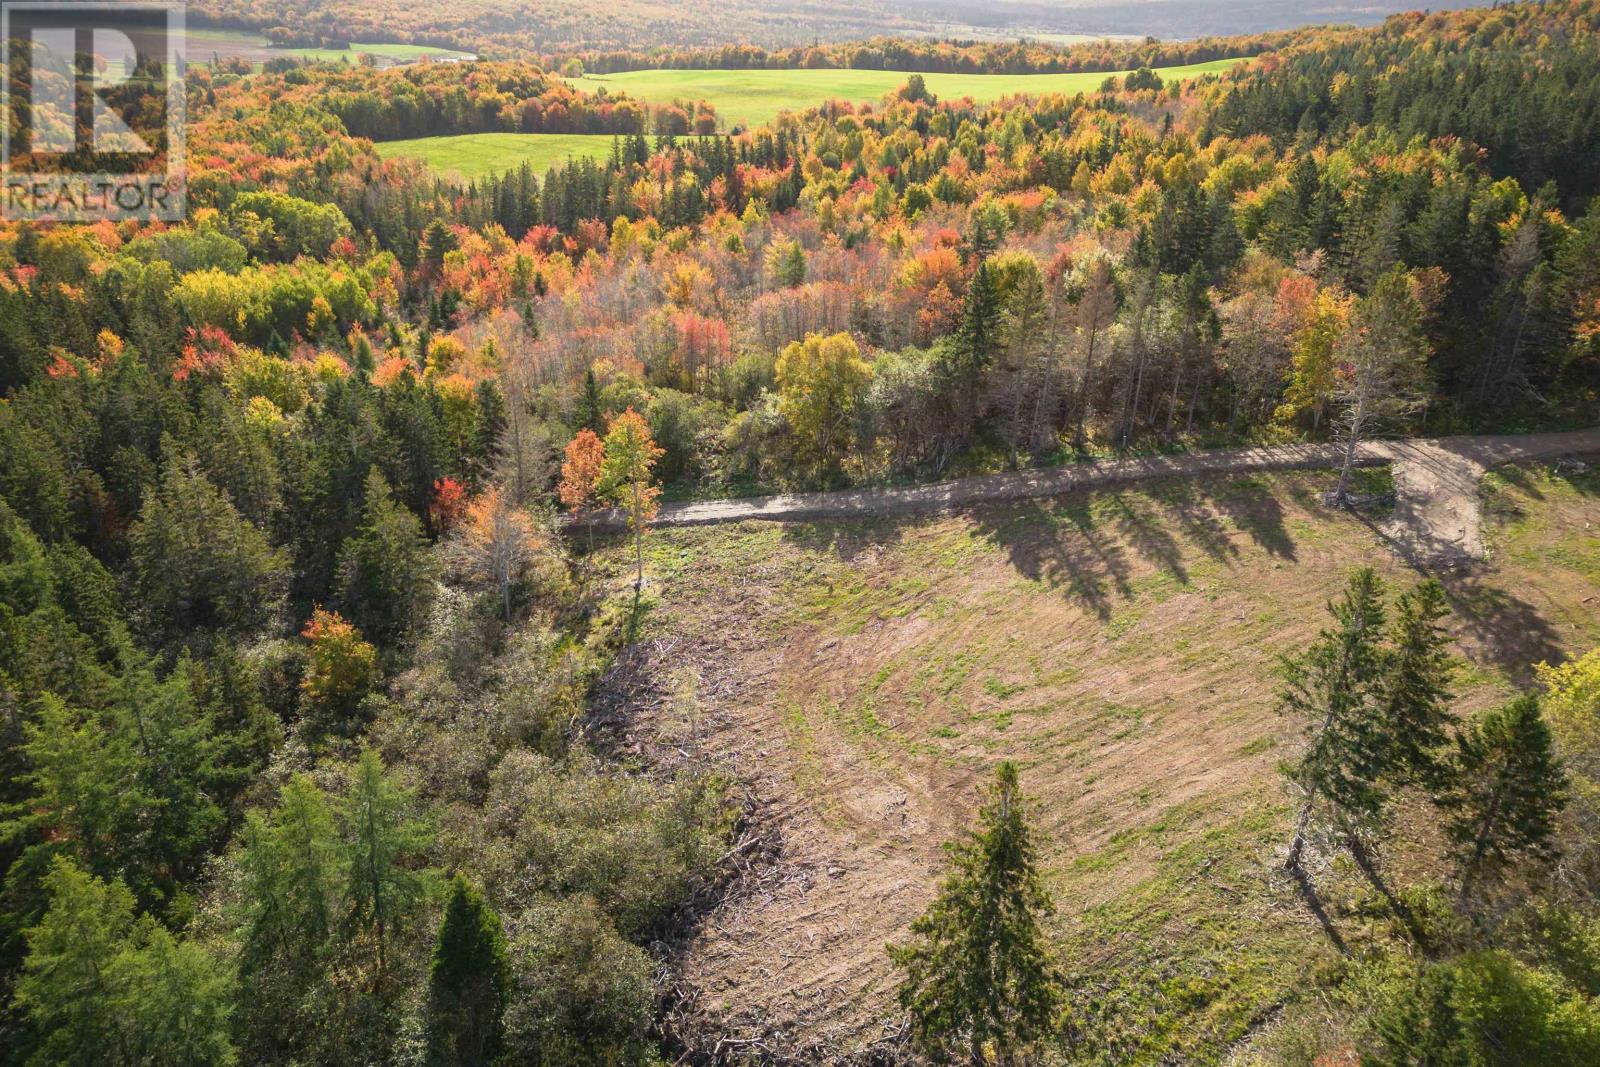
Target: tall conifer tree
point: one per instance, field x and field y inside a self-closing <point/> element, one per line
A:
<point x="468" y="982"/>
<point x="1509" y="791"/>
<point x="1331" y="686"/>
<point x="1414" y="695"/>
<point x="977" y="981"/>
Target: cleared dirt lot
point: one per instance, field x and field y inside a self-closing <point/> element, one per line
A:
<point x="860" y="679"/>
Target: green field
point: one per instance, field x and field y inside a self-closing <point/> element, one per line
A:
<point x="399" y="53"/>
<point x="752" y="97"/>
<point x="203" y="44"/>
<point x="473" y="155"/>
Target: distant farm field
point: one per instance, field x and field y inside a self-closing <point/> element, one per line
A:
<point x="474" y="155"/>
<point x="752" y="97"/>
<point x="205" y="44"/>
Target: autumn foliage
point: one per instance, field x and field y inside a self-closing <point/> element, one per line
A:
<point x="449" y="503"/>
<point x="498" y="541"/>
<point x="341" y="668"/>
<point x="580" y="471"/>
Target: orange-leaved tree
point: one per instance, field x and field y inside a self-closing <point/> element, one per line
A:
<point x="580" y="474"/>
<point x="627" y="477"/>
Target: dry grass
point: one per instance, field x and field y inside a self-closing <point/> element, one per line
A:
<point x="862" y="679"/>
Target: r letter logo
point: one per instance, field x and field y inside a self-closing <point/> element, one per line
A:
<point x="94" y="107"/>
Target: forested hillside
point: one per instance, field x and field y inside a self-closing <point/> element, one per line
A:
<point x="297" y="661"/>
<point x="526" y="28"/>
<point x="935" y="56"/>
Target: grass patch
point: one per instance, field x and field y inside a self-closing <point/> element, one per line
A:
<point x="1199" y="966"/>
<point x="1533" y="517"/>
<point x="1373" y="481"/>
<point x="475" y="155"/>
<point x="205" y="44"/>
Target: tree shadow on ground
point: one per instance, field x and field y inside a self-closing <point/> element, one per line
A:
<point x="1519" y="477"/>
<point x="1584" y="480"/>
<point x="1061" y="547"/>
<point x="1307" y="891"/>
<point x="1192" y="506"/>
<point x="1415" y="544"/>
<point x="1580" y="473"/>
<point x="1145" y="531"/>
<point x="852" y="538"/>
<point x="1251" y="505"/>
<point x="1509" y="631"/>
<point x="1086" y="542"/>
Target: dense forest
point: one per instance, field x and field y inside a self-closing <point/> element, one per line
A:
<point x="928" y="56"/>
<point x="296" y="657"/>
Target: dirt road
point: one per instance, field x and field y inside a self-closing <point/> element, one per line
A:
<point x="1436" y="508"/>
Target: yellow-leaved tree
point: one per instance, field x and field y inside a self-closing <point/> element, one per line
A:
<point x="627" y="477"/>
<point x="1572" y="708"/>
<point x="820" y="383"/>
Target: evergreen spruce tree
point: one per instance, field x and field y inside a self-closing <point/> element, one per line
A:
<point x="176" y="1000"/>
<point x="979" y="333"/>
<point x="468" y="982"/>
<point x="385" y="568"/>
<point x="363" y="356"/>
<point x="1509" y="790"/>
<point x="382" y="835"/>
<point x="491" y="424"/>
<point x="291" y="872"/>
<point x="1331" y="685"/>
<point x="82" y="791"/>
<point x="198" y="563"/>
<point x="178" y="770"/>
<point x="100" y="989"/>
<point x="988" y="227"/>
<point x="1414" y="694"/>
<point x="790" y="264"/>
<point x="591" y="414"/>
<point x="977" y="982"/>
<point x="438" y="240"/>
<point x="411" y="418"/>
<point x="67" y="980"/>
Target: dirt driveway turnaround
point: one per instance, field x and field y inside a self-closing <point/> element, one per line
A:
<point x="1437" y="514"/>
